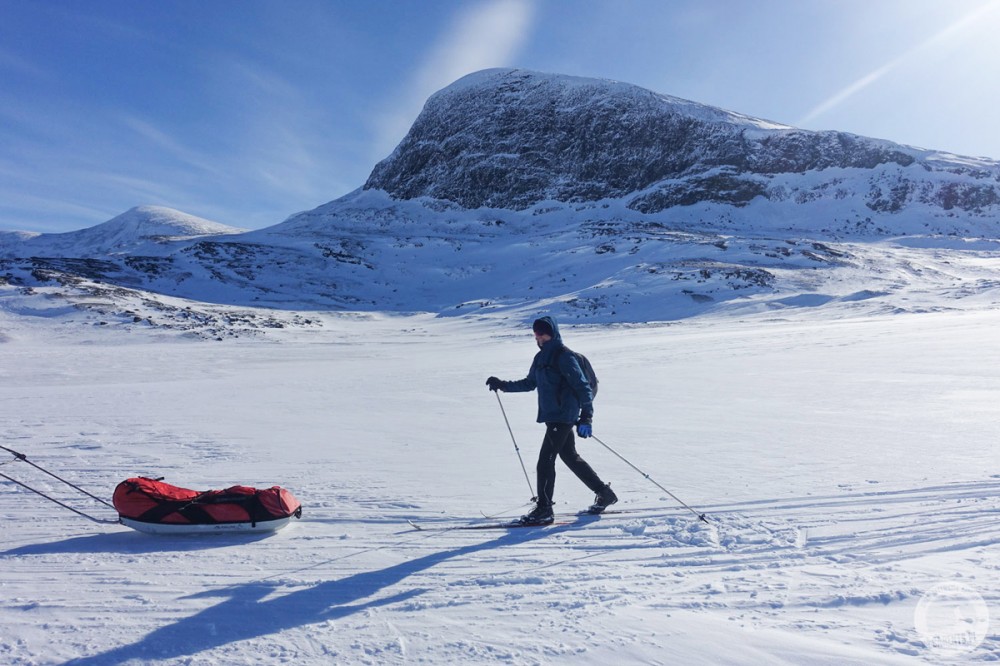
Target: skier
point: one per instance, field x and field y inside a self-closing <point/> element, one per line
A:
<point x="565" y="399"/>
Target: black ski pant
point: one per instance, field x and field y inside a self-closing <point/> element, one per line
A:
<point x="560" y="443"/>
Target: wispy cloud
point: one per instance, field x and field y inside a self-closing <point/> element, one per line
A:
<point x="168" y="145"/>
<point x="16" y="64"/>
<point x="487" y="34"/>
<point x="950" y="33"/>
<point x="280" y="139"/>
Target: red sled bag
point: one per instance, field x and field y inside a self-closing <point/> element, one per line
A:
<point x="150" y="505"/>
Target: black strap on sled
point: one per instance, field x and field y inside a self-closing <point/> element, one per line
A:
<point x="190" y="510"/>
<point x="194" y="508"/>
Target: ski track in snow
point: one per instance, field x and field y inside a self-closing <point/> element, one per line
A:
<point x="823" y="534"/>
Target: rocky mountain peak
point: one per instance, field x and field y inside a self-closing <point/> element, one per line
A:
<point x="511" y="138"/>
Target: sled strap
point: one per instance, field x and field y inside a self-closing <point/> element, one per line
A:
<point x="194" y="509"/>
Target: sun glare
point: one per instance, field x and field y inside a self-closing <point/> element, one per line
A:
<point x="967" y="32"/>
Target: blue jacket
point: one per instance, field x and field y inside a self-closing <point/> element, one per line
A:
<point x="564" y="394"/>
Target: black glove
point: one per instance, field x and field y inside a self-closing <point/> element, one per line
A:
<point x="495" y="384"/>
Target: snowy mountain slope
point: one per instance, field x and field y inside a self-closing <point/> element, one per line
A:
<point x="848" y="469"/>
<point x="368" y="252"/>
<point x="518" y="191"/>
<point x="638" y="273"/>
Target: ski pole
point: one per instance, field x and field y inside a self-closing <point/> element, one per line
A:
<point x="701" y="516"/>
<point x="534" y="497"/>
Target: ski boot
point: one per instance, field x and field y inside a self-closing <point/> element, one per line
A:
<point x="540" y="515"/>
<point x="605" y="498"/>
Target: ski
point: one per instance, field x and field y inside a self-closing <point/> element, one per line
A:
<point x="514" y="525"/>
<point x="561" y="519"/>
<point x="487" y="526"/>
<point x="608" y="512"/>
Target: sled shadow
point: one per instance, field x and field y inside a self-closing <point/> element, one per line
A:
<point x="130" y="541"/>
<point x="250" y="611"/>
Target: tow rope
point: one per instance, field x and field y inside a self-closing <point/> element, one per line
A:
<point x="23" y="458"/>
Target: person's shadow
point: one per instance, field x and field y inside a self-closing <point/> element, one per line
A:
<point x="245" y="614"/>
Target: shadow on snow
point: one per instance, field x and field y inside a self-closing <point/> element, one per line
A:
<point x="248" y="611"/>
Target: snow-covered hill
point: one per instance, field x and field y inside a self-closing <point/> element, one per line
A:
<point x="140" y="230"/>
<point x="599" y="201"/>
<point x="10" y="238"/>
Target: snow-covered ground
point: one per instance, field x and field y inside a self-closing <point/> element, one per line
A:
<point x="848" y="467"/>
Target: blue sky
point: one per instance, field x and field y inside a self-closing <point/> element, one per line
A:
<point x="247" y="111"/>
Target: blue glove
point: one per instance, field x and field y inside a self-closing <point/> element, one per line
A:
<point x="584" y="430"/>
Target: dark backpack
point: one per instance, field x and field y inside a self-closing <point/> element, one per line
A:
<point x="585" y="366"/>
